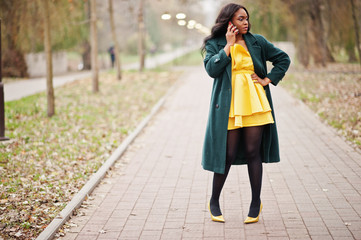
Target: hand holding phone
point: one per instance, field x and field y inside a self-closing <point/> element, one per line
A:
<point x="234" y="29"/>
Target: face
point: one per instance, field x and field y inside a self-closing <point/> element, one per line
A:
<point x="240" y="20"/>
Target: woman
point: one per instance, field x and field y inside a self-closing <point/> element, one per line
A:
<point x="241" y="127"/>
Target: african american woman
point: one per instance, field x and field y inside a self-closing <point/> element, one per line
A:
<point x="241" y="126"/>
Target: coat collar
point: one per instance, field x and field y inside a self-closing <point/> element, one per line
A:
<point x="248" y="38"/>
<point x="251" y="43"/>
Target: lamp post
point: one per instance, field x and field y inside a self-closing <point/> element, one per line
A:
<point x="2" y="102"/>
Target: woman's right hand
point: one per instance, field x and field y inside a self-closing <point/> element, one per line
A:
<point x="232" y="31"/>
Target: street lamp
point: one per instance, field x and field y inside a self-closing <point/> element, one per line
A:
<point x="180" y="16"/>
<point x="191" y="24"/>
<point x="166" y="16"/>
<point x="198" y="26"/>
<point x="182" y="22"/>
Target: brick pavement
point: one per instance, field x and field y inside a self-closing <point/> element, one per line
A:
<point x="158" y="189"/>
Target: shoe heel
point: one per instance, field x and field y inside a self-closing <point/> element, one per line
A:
<point x="215" y="218"/>
<point x="254" y="220"/>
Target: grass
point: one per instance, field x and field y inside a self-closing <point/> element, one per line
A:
<point x="190" y="59"/>
<point x="48" y="160"/>
<point x="333" y="93"/>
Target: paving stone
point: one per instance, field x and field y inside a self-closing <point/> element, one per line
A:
<point x="160" y="190"/>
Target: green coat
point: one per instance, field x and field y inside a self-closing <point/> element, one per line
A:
<point x="218" y="66"/>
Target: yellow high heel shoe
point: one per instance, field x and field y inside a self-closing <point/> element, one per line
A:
<point x="215" y="218"/>
<point x="254" y="220"/>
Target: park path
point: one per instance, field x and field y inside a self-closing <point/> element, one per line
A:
<point x="158" y="190"/>
<point x="18" y="89"/>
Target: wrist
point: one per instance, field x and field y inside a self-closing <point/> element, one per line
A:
<point x="267" y="80"/>
<point x="227" y="49"/>
<point x="228" y="45"/>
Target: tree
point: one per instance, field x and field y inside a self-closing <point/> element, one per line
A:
<point x="94" y="46"/>
<point x="49" y="64"/>
<point x="14" y="64"/>
<point x="357" y="30"/>
<point x="141" y="37"/>
<point x="317" y="39"/>
<point x="115" y="41"/>
<point x="23" y="31"/>
<point x="85" y="45"/>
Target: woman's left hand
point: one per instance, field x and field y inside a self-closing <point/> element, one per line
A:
<point x="263" y="82"/>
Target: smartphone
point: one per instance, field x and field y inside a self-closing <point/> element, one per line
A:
<point x="237" y="31"/>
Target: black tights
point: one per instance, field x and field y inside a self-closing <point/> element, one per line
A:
<point x="251" y="138"/>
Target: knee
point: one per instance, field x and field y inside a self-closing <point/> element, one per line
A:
<point x="230" y="158"/>
<point x="252" y="152"/>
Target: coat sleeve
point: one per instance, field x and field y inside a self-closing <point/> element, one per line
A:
<point x="280" y="61"/>
<point x="216" y="60"/>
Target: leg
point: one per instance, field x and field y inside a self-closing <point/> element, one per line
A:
<point x="233" y="142"/>
<point x="252" y="137"/>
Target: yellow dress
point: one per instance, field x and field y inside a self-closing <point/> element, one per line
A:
<point x="249" y="104"/>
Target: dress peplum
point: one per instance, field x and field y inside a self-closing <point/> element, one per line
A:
<point x="249" y="104"/>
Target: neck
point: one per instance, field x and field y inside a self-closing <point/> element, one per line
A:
<point x="239" y="37"/>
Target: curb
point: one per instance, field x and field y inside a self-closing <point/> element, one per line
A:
<point x="86" y="190"/>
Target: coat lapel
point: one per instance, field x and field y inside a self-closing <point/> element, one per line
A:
<point x="255" y="50"/>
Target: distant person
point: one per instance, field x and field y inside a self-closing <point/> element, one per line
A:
<point x="241" y="126"/>
<point x="112" y="55"/>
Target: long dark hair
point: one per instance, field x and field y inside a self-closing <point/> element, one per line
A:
<point x="220" y="27"/>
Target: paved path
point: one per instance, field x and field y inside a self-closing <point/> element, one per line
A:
<point x="22" y="88"/>
<point x="158" y="189"/>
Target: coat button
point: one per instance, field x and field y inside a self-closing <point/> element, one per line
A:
<point x="217" y="106"/>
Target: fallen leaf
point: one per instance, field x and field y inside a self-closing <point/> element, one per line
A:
<point x="18" y="234"/>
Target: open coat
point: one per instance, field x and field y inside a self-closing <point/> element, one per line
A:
<point x="219" y="66"/>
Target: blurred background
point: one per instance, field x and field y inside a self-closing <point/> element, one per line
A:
<point x="321" y="31"/>
<point x="71" y="37"/>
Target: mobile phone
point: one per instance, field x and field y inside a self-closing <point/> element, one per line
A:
<point x="237" y="31"/>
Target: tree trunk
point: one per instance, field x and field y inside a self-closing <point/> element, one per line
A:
<point x="116" y="45"/>
<point x="2" y="102"/>
<point x="302" y="46"/>
<point x="357" y="34"/>
<point x="299" y="9"/>
<point x="327" y="28"/>
<point x="94" y="46"/>
<point x="317" y="38"/>
<point x="329" y="56"/>
<point x="49" y="63"/>
<point x="14" y="64"/>
<point x="351" y="55"/>
<point x="141" y="44"/>
<point x="86" y="55"/>
<point x="86" y="48"/>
